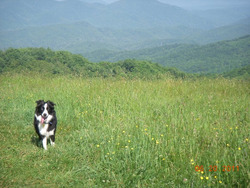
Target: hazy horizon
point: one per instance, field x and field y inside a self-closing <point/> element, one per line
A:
<point x="201" y="4"/>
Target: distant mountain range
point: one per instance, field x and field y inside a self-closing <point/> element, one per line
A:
<point x="122" y="14"/>
<point x="95" y="27"/>
<point x="82" y="37"/>
<point x="146" y="14"/>
<point x="19" y="14"/>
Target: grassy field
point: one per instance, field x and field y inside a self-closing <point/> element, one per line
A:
<point x="126" y="133"/>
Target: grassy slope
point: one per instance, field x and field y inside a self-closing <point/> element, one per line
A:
<point x="125" y="133"/>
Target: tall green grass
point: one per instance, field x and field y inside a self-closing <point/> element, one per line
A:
<point x="126" y="133"/>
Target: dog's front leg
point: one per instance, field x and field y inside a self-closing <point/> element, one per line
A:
<point x="52" y="140"/>
<point x="45" y="143"/>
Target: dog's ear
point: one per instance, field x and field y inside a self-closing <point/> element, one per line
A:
<point x="39" y="102"/>
<point x="51" y="104"/>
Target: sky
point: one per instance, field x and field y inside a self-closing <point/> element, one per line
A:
<point x="208" y="4"/>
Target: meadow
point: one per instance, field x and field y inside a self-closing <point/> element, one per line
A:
<point x="126" y="133"/>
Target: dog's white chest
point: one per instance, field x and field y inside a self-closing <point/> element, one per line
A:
<point x="43" y="129"/>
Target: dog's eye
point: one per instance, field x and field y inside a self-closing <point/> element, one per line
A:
<point x="42" y="108"/>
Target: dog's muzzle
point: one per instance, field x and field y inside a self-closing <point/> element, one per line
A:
<point x="44" y="117"/>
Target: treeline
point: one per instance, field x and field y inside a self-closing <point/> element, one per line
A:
<point x="241" y="73"/>
<point x="46" y="61"/>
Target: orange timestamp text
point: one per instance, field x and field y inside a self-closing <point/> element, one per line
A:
<point x="224" y="168"/>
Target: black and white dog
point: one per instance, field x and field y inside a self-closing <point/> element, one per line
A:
<point x="45" y="122"/>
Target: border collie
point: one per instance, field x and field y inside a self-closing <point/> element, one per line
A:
<point x="45" y="122"/>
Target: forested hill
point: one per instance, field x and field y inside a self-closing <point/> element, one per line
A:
<point x="46" y="61"/>
<point x="218" y="57"/>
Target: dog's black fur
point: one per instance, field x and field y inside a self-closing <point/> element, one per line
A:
<point x="45" y="121"/>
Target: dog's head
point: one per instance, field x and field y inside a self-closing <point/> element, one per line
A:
<point x="44" y="109"/>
